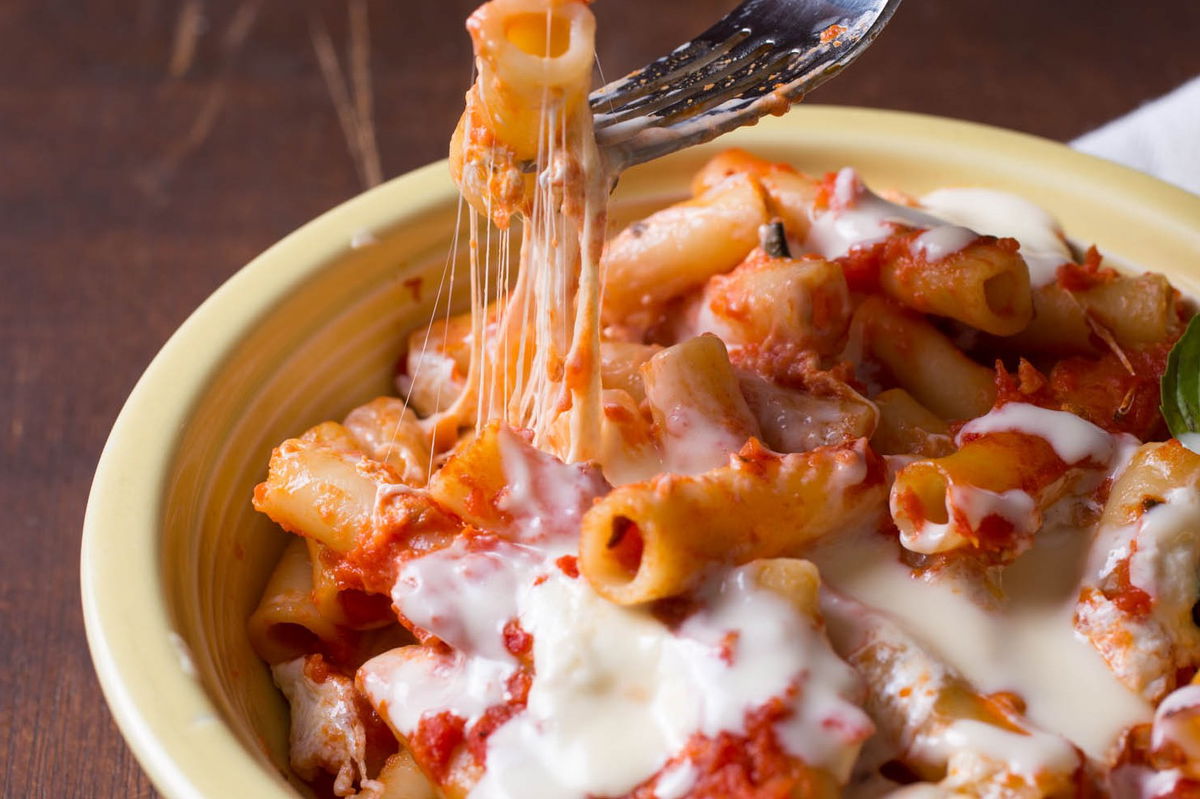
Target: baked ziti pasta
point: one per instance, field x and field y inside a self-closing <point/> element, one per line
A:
<point x="785" y="490"/>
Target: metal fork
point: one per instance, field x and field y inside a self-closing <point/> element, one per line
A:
<point x="757" y="60"/>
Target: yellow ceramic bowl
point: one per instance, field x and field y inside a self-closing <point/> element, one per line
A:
<point x="173" y="556"/>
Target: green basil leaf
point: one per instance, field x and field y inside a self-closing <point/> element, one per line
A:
<point x="1181" y="383"/>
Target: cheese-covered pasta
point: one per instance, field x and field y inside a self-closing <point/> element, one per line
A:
<point x="787" y="490"/>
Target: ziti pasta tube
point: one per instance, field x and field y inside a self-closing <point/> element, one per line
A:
<point x="950" y="271"/>
<point x="778" y="301"/>
<point x="698" y="408"/>
<point x="923" y="361"/>
<point x="287" y="622"/>
<point x="678" y="248"/>
<point x="989" y="495"/>
<point x="1136" y="603"/>
<point x="1136" y="310"/>
<point x="942" y="729"/>
<point x="534" y="59"/>
<point x="655" y="539"/>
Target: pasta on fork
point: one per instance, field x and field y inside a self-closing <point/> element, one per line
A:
<point x="786" y="490"/>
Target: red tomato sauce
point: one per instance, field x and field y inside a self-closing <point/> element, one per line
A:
<point x="411" y="526"/>
<point x="1125" y="595"/>
<point x="752" y="765"/>
<point x="568" y="565"/>
<point x="496" y="715"/>
<point x="862" y="265"/>
<point x="435" y="741"/>
<point x="1089" y="274"/>
<point x="518" y="642"/>
<point x="1119" y="396"/>
<point x="1106" y="393"/>
<point x="627" y="544"/>
<point x="440" y="737"/>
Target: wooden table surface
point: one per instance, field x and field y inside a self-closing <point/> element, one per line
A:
<point x="149" y="148"/>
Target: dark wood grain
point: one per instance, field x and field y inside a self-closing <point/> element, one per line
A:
<point x="122" y="205"/>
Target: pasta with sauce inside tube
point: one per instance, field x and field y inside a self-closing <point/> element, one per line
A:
<point x="792" y="488"/>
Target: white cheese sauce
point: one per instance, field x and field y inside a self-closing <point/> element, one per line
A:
<point x="939" y="243"/>
<point x="1158" y="553"/>
<point x="1164" y="563"/>
<point x="1004" y="215"/>
<point x="545" y="497"/>
<point x="857" y="216"/>
<point x="1177" y="722"/>
<point x="698" y="430"/>
<point x="1026" y="754"/>
<point x="976" y="504"/>
<point x="1160" y="546"/>
<point x="1074" y="439"/>
<point x="952" y="219"/>
<point x="1026" y="644"/>
<point x="408" y="683"/>
<point x="465" y="595"/>
<point x="676" y="780"/>
<point x="695" y="442"/>
<point x="615" y="694"/>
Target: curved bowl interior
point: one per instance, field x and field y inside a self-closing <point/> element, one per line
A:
<point x="174" y="557"/>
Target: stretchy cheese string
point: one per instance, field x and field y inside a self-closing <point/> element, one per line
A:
<point x="539" y="358"/>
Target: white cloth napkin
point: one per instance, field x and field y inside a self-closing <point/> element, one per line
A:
<point x="1162" y="138"/>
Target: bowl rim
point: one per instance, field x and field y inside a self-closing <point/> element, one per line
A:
<point x="161" y="709"/>
<point x="130" y="632"/>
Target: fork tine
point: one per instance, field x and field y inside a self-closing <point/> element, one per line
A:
<point x="687" y="85"/>
<point x="707" y="114"/>
<point x="687" y="57"/>
<point x="759" y="58"/>
<point x="727" y="33"/>
<point x="747" y="84"/>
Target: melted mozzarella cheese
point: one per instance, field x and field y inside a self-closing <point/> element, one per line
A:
<point x="857" y="216"/>
<point x="326" y="731"/>
<point x="545" y="497"/>
<point x="443" y="592"/>
<point x="1164" y="562"/>
<point x="1074" y="439"/>
<point x="603" y="713"/>
<point x="1177" y="722"/>
<point x="939" y="243"/>
<point x="973" y="746"/>
<point x="615" y="693"/>
<point x="998" y="213"/>
<point x="1015" y="506"/>
<point x="411" y="682"/>
<point x="1025" y="645"/>
<point x="695" y="442"/>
